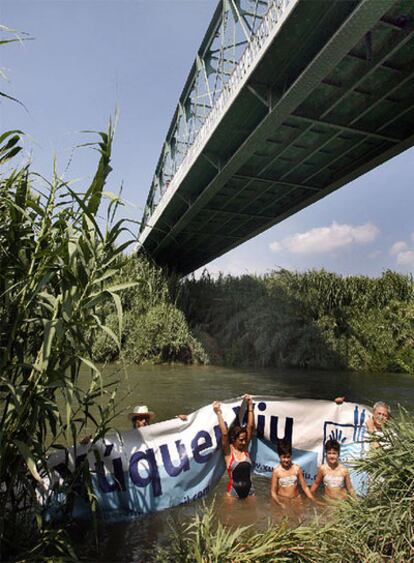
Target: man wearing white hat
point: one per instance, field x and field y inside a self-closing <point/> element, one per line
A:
<point x="141" y="416"/>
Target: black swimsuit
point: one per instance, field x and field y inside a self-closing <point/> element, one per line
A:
<point x="240" y="483"/>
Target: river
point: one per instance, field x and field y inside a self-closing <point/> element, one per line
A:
<point x="172" y="390"/>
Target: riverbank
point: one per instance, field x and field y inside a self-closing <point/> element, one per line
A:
<point x="312" y="320"/>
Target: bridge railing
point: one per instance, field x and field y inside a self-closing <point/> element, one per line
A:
<point x="167" y="178"/>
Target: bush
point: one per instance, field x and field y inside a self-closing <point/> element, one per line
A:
<point x="161" y="335"/>
<point x="155" y="330"/>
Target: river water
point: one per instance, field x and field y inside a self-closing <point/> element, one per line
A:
<point x="171" y="390"/>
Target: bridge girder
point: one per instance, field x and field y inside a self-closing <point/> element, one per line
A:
<point x="332" y="113"/>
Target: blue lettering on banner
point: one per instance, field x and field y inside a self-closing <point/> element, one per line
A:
<point x="153" y="475"/>
<point x="182" y="466"/>
<point x="171" y="469"/>
<point x="274" y="421"/>
<point x="118" y="483"/>
<point x="200" y="447"/>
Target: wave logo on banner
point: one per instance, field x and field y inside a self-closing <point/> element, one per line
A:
<point x="174" y="462"/>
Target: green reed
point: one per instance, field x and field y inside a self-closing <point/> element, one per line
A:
<point x="58" y="279"/>
<point x="314" y="319"/>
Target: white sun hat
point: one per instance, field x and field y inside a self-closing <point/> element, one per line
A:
<point x="141" y="410"/>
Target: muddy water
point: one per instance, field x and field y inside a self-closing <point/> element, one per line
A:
<point x="173" y="390"/>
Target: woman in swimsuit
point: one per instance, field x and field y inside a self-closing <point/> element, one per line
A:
<point x="287" y="477"/>
<point x="333" y="474"/>
<point x="238" y="462"/>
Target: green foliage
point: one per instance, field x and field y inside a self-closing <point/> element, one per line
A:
<point x="154" y="329"/>
<point x="206" y="540"/>
<point x="379" y="526"/>
<point x="56" y="285"/>
<point x="316" y="319"/>
<point x="161" y="335"/>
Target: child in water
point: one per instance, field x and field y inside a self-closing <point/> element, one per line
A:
<point x="287" y="477"/>
<point x="334" y="475"/>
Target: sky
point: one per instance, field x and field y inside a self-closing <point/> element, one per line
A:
<point x="88" y="59"/>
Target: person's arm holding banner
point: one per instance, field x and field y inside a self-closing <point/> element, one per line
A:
<point x="250" y="417"/>
<point x="223" y="428"/>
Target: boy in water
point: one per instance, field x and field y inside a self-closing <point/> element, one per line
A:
<point x="333" y="474"/>
<point x="286" y="479"/>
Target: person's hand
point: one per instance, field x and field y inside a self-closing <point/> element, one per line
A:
<point x="339" y="400"/>
<point x="182" y="417"/>
<point x="85" y="441"/>
<point x="217" y="407"/>
<point x="248" y="398"/>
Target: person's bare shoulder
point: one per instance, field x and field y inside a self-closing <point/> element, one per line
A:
<point x="370" y="424"/>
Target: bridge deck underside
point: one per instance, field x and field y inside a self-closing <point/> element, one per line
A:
<point x="280" y="148"/>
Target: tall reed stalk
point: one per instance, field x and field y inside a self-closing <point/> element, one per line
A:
<point x="57" y="267"/>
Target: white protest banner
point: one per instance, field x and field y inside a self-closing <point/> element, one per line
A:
<point x="176" y="462"/>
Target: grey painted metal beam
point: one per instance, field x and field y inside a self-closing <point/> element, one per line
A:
<point x="277" y="181"/>
<point x="345" y="128"/>
<point x="393" y="151"/>
<point x="237" y="214"/>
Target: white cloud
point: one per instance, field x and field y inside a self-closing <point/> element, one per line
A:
<point x="398" y="247"/>
<point x="275" y="246"/>
<point x="406" y="258"/>
<point x="327" y="239"/>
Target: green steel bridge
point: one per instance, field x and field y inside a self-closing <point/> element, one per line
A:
<point x="287" y="100"/>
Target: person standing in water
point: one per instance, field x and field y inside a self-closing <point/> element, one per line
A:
<point x="381" y="413"/>
<point x="287" y="477"/>
<point x="235" y="449"/>
<point x="334" y="475"/>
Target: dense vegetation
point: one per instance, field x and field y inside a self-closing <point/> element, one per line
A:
<point x="70" y="296"/>
<point x="65" y="283"/>
<point x="154" y="329"/>
<point x="314" y="319"/>
<point x="376" y="528"/>
<point x="57" y="276"/>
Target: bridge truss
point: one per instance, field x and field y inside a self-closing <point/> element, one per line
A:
<point x="286" y="101"/>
